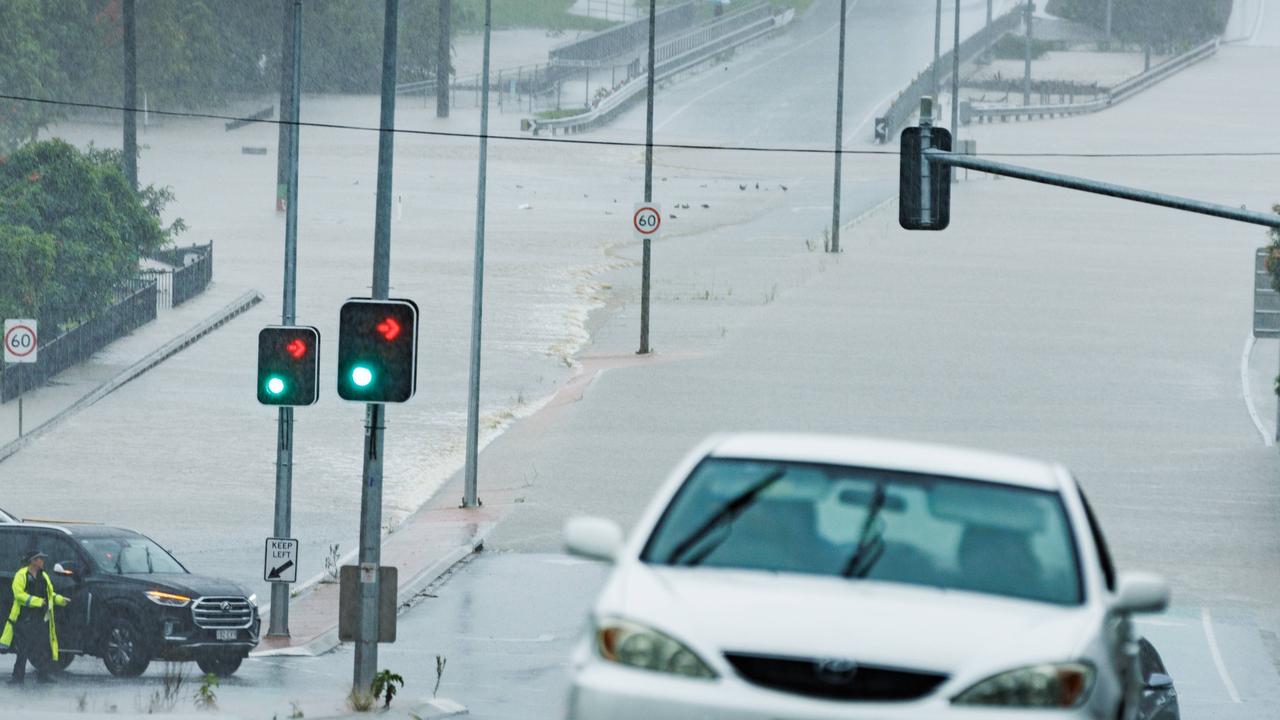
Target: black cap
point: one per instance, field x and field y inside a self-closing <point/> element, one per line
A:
<point x="29" y="557"/>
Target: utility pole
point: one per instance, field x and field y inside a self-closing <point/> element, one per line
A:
<point x="1026" y="72"/>
<point x="648" y="183"/>
<point x="470" y="497"/>
<point x="835" y="197"/>
<point x="1108" y="22"/>
<point x="955" y="76"/>
<point x="279" y="621"/>
<point x="130" y="148"/>
<point x="287" y="90"/>
<point x="442" y="58"/>
<point x="366" y="647"/>
<point x="937" y="46"/>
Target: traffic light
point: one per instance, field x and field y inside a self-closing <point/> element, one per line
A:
<point x="911" y="186"/>
<point x="289" y="365"/>
<point x="377" y="350"/>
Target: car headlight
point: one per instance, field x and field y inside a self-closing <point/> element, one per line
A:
<point x="1061" y="685"/>
<point x="634" y="644"/>
<point x="167" y="599"/>
<point x="253" y="599"/>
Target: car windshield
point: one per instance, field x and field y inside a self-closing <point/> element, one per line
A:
<point x="130" y="555"/>
<point x="862" y="523"/>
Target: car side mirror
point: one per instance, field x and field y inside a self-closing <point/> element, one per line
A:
<point x="1159" y="681"/>
<point x="593" y="537"/>
<point x="69" y="569"/>
<point x="1141" y="593"/>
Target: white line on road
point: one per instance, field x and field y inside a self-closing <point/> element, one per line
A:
<point x="1248" y="396"/>
<point x="1207" y="620"/>
<point x="680" y="110"/>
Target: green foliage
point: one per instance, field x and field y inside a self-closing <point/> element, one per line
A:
<point x="29" y="67"/>
<point x="384" y="685"/>
<point x="76" y="226"/>
<point x="206" y="697"/>
<point x="1142" y="21"/>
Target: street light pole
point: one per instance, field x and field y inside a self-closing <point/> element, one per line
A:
<point x="1026" y="73"/>
<point x="469" y="496"/>
<point x="648" y="183"/>
<point x="286" y="105"/>
<point x="937" y="46"/>
<point x="835" y="199"/>
<point x="955" y="75"/>
<point x="366" y="647"/>
<point x="279" y="622"/>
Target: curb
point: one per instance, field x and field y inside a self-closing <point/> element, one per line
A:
<point x="152" y="359"/>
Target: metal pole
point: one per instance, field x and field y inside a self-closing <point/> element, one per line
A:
<point x="442" y="58"/>
<point x="366" y="649"/>
<point x="926" y="141"/>
<point x="470" y="496"/>
<point x="286" y="106"/>
<point x="648" y="185"/>
<point x="1102" y="188"/>
<point x="1277" y="419"/>
<point x="1026" y="72"/>
<point x="955" y="76"/>
<point x="1108" y="21"/>
<point x="21" y="390"/>
<point x="835" y="195"/>
<point x="279" y="621"/>
<point x="937" y="46"/>
<point x="130" y="148"/>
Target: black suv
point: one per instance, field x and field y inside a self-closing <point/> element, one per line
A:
<point x="131" y="601"/>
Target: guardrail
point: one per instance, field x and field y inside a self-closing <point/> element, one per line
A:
<point x="674" y="56"/>
<point x="1136" y="84"/>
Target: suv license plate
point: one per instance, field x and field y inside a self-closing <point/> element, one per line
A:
<point x="226" y="634"/>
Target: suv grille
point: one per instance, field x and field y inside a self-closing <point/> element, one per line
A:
<point x="222" y="612"/>
<point x="834" y="679"/>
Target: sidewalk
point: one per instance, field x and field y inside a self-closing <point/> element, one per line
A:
<point x="64" y="390"/>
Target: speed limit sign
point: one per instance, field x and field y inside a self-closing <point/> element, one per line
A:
<point x="647" y="220"/>
<point x="20" y="340"/>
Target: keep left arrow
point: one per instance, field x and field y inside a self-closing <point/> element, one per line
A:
<point x="275" y="572"/>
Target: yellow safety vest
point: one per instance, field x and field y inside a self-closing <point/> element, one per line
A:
<point x="21" y="599"/>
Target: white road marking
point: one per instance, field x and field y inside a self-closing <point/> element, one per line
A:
<point x="1207" y="620"/>
<point x="679" y="111"/>
<point x="1248" y="396"/>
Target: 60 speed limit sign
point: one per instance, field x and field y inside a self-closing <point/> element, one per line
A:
<point x="647" y="220"/>
<point x="20" y="340"/>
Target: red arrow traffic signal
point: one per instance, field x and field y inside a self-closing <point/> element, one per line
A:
<point x="297" y="349"/>
<point x="389" y="328"/>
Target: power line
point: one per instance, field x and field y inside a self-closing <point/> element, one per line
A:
<point x="613" y="143"/>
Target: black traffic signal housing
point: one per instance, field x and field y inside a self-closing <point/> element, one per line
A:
<point x="910" y="184"/>
<point x="378" y="350"/>
<point x="289" y="365"/>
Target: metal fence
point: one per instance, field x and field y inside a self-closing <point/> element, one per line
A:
<point x="602" y="48"/>
<point x="192" y="274"/>
<point x="136" y="307"/>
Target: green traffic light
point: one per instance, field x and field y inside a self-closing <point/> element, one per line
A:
<point x="361" y="376"/>
<point x="275" y="385"/>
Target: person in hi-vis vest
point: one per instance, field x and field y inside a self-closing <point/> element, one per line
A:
<point x="29" y="628"/>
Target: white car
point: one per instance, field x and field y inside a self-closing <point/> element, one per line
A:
<point x="789" y="577"/>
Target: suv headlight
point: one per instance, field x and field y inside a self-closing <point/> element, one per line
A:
<point x="633" y="644"/>
<point x="253" y="599"/>
<point x="167" y="599"/>
<point x="1060" y="685"/>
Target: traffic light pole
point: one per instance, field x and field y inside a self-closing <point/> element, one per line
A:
<point x="648" y="183"/>
<point x="278" y="624"/>
<point x="470" y="496"/>
<point x="366" y="649"/>
<point x="1096" y="187"/>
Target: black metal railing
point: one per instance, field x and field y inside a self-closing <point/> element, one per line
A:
<point x="135" y="307"/>
<point x="193" y="270"/>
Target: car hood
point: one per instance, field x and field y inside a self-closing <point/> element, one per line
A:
<point x="187" y="584"/>
<point x="870" y="622"/>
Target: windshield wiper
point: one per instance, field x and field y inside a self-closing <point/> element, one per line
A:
<point x="728" y="513"/>
<point x="871" y="540"/>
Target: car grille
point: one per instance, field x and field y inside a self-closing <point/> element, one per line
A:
<point x="834" y="679"/>
<point x="222" y="612"/>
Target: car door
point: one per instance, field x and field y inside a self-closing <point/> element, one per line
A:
<point x="71" y="620"/>
<point x="10" y="560"/>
